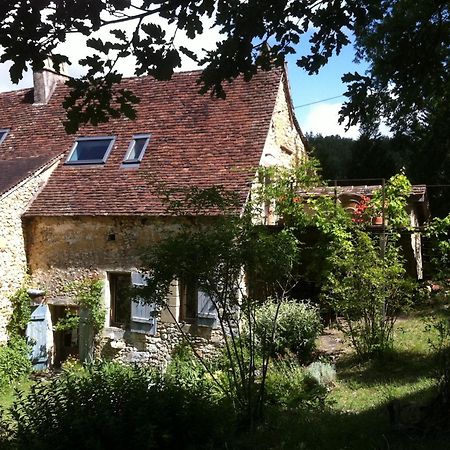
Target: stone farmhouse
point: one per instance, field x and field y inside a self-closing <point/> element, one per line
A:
<point x="74" y="206"/>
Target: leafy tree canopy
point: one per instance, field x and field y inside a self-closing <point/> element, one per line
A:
<point x="405" y="41"/>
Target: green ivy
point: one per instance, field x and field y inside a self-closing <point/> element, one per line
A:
<point x="15" y="361"/>
<point x="88" y="295"/>
<point x="396" y="193"/>
<point x="20" y="302"/>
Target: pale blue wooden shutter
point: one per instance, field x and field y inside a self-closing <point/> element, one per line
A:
<point x="39" y="335"/>
<point x="142" y="319"/>
<point x="206" y="310"/>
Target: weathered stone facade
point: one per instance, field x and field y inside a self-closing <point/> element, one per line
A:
<point x="63" y="249"/>
<point x="13" y="263"/>
<point x="66" y="248"/>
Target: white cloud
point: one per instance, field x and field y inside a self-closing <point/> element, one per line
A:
<point x="323" y="119"/>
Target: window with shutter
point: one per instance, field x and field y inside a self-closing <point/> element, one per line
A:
<point x="206" y="310"/>
<point x="142" y="314"/>
<point x="197" y="306"/>
<point x="120" y="308"/>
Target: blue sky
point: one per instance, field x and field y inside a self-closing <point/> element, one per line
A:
<point x="322" y="117"/>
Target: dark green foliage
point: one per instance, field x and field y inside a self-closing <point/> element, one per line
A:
<point x="406" y="43"/>
<point x="335" y="154"/>
<point x="15" y="361"/>
<point x="111" y="406"/>
<point x="298" y="326"/>
<point x="370" y="158"/>
<point x="185" y="370"/>
<point x="439" y="235"/>
<point x="20" y="302"/>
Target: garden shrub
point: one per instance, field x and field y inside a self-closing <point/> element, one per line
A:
<point x="323" y="373"/>
<point x="297" y="327"/>
<point x="15" y="361"/>
<point x="439" y="235"/>
<point x="114" y="406"/>
<point x="184" y="369"/>
<point x="368" y="289"/>
<point x="289" y="386"/>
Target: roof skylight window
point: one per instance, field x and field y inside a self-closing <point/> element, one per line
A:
<point x="91" y="150"/>
<point x="3" y="133"/>
<point x="137" y="148"/>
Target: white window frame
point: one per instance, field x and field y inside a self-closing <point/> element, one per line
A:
<point x="91" y="161"/>
<point x="127" y="159"/>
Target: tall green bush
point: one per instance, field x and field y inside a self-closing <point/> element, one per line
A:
<point x="296" y="331"/>
<point x="15" y="363"/>
<point x="368" y="290"/>
<point x="439" y="234"/>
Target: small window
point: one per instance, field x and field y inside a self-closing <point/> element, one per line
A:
<point x="3" y="133"/>
<point x="137" y="148"/>
<point x="91" y="150"/>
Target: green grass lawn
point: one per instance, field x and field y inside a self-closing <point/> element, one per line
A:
<point x="9" y="394"/>
<point x="357" y="417"/>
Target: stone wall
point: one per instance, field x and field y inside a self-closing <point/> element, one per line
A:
<point x="157" y="350"/>
<point x="63" y="249"/>
<point x="13" y="268"/>
<point x="284" y="145"/>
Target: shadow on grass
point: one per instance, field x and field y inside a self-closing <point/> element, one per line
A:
<point x="337" y="430"/>
<point x="395" y="366"/>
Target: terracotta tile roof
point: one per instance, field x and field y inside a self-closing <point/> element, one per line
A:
<point x="29" y="144"/>
<point x="195" y="141"/>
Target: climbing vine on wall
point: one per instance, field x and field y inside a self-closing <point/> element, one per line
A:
<point x="88" y="294"/>
<point x="15" y="361"/>
<point x="20" y="302"/>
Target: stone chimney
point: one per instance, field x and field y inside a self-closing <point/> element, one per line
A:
<point x="45" y="81"/>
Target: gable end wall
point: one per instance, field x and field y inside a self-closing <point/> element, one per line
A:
<point x="13" y="262"/>
<point x="284" y="145"/>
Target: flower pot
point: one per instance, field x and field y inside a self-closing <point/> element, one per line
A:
<point x="377" y="220"/>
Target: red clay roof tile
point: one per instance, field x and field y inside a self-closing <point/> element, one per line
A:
<point x="195" y="141"/>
